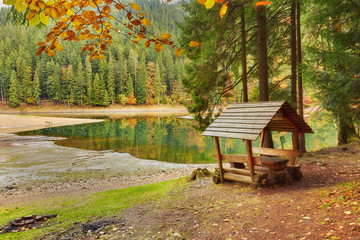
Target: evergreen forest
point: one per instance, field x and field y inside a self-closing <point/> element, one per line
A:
<point x="130" y="74"/>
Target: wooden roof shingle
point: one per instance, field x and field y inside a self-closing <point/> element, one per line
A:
<point x="248" y="120"/>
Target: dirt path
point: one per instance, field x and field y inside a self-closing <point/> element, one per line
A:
<point x="320" y="206"/>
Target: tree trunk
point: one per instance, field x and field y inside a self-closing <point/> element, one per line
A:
<point x="243" y="58"/>
<point x="262" y="54"/>
<point x="302" y="145"/>
<point x="263" y="67"/>
<point x="346" y="132"/>
<point x="293" y="53"/>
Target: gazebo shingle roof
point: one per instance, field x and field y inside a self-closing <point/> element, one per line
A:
<point x="248" y="120"/>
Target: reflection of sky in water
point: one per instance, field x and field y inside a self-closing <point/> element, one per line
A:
<point x="172" y="139"/>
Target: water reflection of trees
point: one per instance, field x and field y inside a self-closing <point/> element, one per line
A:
<point x="171" y="139"/>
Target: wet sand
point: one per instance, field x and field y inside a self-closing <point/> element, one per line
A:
<point x="19" y="123"/>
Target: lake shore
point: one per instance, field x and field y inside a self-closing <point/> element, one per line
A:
<point x="57" y="171"/>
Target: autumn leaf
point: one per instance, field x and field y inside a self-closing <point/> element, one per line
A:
<point x="135" y="6"/>
<point x="178" y="52"/>
<point x="223" y="10"/>
<point x="195" y="44"/>
<point x="34" y="21"/>
<point x="146" y="22"/>
<point x="147" y="44"/>
<point x="40" y="50"/>
<point x="209" y="4"/>
<point x="158" y="46"/>
<point x="20" y="5"/>
<point x="120" y="6"/>
<point x="43" y="18"/>
<point x="202" y="2"/>
<point x="166" y="36"/>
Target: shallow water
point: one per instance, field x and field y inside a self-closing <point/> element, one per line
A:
<point x="171" y="138"/>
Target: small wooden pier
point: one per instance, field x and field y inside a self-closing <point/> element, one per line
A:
<point x="248" y="121"/>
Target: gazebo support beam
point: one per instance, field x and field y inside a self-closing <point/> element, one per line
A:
<point x="251" y="158"/>
<point x="219" y="157"/>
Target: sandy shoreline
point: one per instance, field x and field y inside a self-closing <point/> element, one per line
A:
<point x="39" y="156"/>
<point x="17" y="123"/>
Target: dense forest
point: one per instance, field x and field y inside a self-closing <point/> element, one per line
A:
<point x="130" y="74"/>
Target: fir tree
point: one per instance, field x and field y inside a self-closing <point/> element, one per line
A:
<point x="14" y="99"/>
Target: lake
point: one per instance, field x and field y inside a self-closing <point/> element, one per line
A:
<point x="171" y="138"/>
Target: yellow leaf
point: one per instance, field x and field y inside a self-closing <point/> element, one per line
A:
<point x="34" y="21"/>
<point x="223" y="9"/>
<point x="195" y="44"/>
<point x="178" y="52"/>
<point x="145" y="21"/>
<point x="50" y="52"/>
<point x="20" y="5"/>
<point x="209" y="4"/>
<point x="62" y="35"/>
<point x="34" y="6"/>
<point x="158" y="47"/>
<point x="58" y="46"/>
<point x="9" y="2"/>
<point x="135" y="6"/>
<point x="166" y="36"/>
<point x="44" y="19"/>
<point x="50" y="3"/>
<point x="70" y="12"/>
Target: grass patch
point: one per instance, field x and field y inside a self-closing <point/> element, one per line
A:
<point x="85" y="208"/>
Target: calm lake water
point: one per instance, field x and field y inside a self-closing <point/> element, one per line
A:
<point x="171" y="138"/>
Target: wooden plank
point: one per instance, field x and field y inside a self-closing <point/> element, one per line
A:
<point x="255" y="114"/>
<point x="251" y="159"/>
<point x="246" y="118"/>
<point x="243" y="171"/>
<point x="256" y="104"/>
<point x="277" y="152"/>
<point x="237" y="177"/>
<point x="231" y="125"/>
<point x="234" y="130"/>
<point x="219" y="159"/>
<point x="248" y="136"/>
<point x="239" y="158"/>
<point x="273" y="110"/>
<point x="241" y="121"/>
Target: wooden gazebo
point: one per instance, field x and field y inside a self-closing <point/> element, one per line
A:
<point x="248" y="121"/>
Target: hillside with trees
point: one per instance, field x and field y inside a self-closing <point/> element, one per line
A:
<point x="130" y="74"/>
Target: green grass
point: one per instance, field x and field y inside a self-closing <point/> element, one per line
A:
<point x="83" y="209"/>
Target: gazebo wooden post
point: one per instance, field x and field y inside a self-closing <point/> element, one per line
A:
<point x="262" y="138"/>
<point x="219" y="157"/>
<point x="251" y="159"/>
<point x="295" y="145"/>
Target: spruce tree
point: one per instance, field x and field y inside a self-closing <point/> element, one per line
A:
<point x="140" y="85"/>
<point x="14" y="98"/>
<point x="157" y="83"/>
<point x="111" y="80"/>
